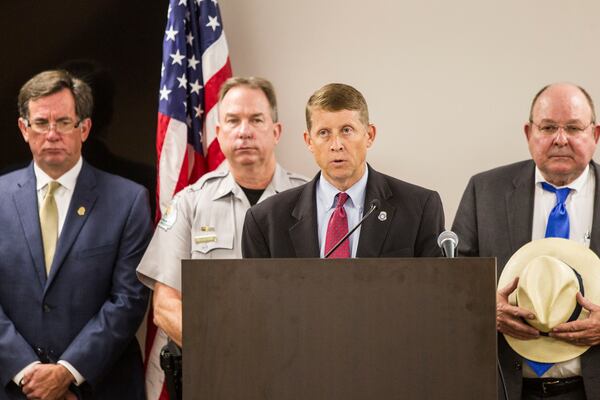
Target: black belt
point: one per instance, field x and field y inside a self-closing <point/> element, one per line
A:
<point x="552" y="386"/>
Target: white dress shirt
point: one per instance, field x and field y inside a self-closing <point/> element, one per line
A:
<point x="580" y="207"/>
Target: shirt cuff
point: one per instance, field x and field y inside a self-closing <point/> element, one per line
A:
<point x="79" y="379"/>
<point x="19" y="376"/>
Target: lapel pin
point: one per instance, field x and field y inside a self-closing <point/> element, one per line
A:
<point x="81" y="211"/>
<point x="382" y="216"/>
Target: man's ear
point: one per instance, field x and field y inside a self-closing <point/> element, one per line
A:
<point x="527" y="130"/>
<point x="371" y="132"/>
<point x="277" y="131"/>
<point x="308" y="141"/>
<point x="86" y="127"/>
<point x="23" y="128"/>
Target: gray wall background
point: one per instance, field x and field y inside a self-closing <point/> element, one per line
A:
<point x="448" y="83"/>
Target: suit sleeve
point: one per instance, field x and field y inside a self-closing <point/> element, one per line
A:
<point x="254" y="244"/>
<point x="15" y="352"/>
<point x="432" y="224"/>
<point x="465" y="223"/>
<point x="104" y="338"/>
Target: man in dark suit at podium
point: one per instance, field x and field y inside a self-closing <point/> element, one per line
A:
<point x="308" y="221"/>
<point x="556" y="194"/>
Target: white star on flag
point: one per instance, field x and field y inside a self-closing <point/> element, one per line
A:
<point x="171" y="33"/>
<point x="164" y="93"/>
<point x="195" y="87"/>
<point x="213" y="23"/>
<point x="182" y="80"/>
<point x="177" y="57"/>
<point x="193" y="62"/>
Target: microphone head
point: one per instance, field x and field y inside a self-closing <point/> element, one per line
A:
<point x="374" y="204"/>
<point x="447" y="235"/>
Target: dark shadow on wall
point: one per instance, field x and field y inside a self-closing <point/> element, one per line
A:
<point x="123" y="41"/>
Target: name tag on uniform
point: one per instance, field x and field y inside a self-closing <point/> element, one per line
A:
<point x="208" y="235"/>
<point x="205" y="238"/>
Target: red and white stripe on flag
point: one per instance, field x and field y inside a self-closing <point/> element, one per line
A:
<point x="195" y="63"/>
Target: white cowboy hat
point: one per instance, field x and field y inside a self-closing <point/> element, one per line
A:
<point x="551" y="272"/>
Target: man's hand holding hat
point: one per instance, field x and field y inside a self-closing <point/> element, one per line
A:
<point x="584" y="332"/>
<point x="509" y="318"/>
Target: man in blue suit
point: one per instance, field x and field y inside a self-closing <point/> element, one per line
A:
<point x="71" y="237"/>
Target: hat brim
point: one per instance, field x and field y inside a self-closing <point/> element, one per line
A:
<point x="581" y="259"/>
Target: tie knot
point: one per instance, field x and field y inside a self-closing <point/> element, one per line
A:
<point x="52" y="186"/>
<point x="342" y="197"/>
<point x="561" y="194"/>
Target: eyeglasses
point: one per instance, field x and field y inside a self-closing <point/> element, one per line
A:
<point x="549" y="129"/>
<point x="62" y="126"/>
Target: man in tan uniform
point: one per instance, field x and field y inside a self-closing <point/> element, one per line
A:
<point x="205" y="219"/>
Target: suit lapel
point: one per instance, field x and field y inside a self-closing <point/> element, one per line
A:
<point x="374" y="231"/>
<point x="304" y="234"/>
<point x="25" y="199"/>
<point x="82" y="202"/>
<point x="595" y="239"/>
<point x="519" y="208"/>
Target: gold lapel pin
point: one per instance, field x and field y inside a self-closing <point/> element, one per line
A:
<point x="81" y="211"/>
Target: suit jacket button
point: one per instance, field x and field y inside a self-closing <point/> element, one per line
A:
<point x="518" y="366"/>
<point x="47" y="308"/>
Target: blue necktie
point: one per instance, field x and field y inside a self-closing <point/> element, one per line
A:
<point x="557" y="226"/>
<point x="558" y="221"/>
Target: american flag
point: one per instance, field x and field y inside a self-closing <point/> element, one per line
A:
<point x="195" y="64"/>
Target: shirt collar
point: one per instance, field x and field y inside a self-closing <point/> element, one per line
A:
<point x="66" y="180"/>
<point x="279" y="183"/>
<point x="357" y="192"/>
<point x="576" y="185"/>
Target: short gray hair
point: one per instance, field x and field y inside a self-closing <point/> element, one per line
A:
<point x="252" y="82"/>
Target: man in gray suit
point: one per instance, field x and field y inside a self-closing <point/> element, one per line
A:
<point x="506" y="207"/>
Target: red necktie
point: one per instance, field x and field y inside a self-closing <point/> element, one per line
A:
<point x="337" y="228"/>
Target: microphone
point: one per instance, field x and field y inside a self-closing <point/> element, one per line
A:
<point x="448" y="241"/>
<point x="374" y="204"/>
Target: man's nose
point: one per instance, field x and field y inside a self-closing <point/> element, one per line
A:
<point x="52" y="133"/>
<point x="336" y="143"/>
<point x="561" y="138"/>
<point x="245" y="129"/>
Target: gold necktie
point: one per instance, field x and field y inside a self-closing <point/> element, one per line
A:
<point x="49" y="224"/>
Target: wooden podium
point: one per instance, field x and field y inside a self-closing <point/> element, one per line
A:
<point x="310" y="329"/>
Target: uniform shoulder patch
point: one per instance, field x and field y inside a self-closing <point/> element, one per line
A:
<point x="170" y="215"/>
